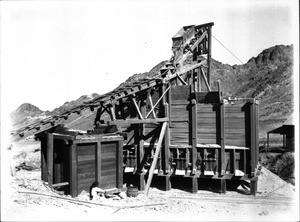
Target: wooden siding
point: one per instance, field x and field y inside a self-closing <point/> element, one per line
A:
<point x="237" y="125"/>
<point x="86" y="166"/>
<point x="109" y="165"/>
<point x="180" y="115"/>
<point x="208" y="123"/>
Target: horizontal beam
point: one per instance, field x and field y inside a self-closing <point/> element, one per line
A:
<point x="60" y="184"/>
<point x="204" y="25"/>
<point x="59" y="136"/>
<point x="186" y="70"/>
<point x="137" y="121"/>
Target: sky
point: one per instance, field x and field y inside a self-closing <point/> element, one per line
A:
<point x="57" y="51"/>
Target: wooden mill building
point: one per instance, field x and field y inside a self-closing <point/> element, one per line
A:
<point x="172" y="125"/>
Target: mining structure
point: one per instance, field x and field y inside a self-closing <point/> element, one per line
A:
<point x="171" y="125"/>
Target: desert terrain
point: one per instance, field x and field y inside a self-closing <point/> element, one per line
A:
<point x="26" y="197"/>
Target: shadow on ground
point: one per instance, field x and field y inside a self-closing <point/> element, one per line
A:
<point x="185" y="184"/>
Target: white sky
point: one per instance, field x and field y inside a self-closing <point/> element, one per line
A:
<point x="56" y="51"/>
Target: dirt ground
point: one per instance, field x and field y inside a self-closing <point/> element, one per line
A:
<point x="275" y="201"/>
<point x="26" y="198"/>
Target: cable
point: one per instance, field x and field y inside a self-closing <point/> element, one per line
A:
<point x="228" y="50"/>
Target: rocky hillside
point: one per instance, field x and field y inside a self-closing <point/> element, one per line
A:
<point x="26" y="114"/>
<point x="267" y="77"/>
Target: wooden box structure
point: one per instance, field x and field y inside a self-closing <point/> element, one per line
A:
<point x="75" y="161"/>
<point x="174" y="125"/>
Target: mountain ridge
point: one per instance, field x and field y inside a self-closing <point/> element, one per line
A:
<point x="268" y="77"/>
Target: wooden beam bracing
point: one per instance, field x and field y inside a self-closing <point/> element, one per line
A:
<point x="137" y="121"/>
<point x="157" y="152"/>
<point x="181" y="80"/>
<point x="205" y="80"/>
<point x="162" y="96"/>
<point x="151" y="104"/>
<point x="137" y="107"/>
<point x="204" y="34"/>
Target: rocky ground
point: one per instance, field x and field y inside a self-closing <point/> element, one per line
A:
<point x="26" y="198"/>
<point x="30" y="199"/>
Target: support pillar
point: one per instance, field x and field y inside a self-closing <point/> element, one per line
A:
<point x="50" y="142"/>
<point x="194" y="184"/>
<point x="253" y="186"/>
<point x="141" y="181"/>
<point x="168" y="185"/>
<point x="223" y="186"/>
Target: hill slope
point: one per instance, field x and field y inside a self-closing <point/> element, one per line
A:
<point x="267" y="77"/>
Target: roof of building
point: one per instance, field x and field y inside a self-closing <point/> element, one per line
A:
<point x="181" y="32"/>
<point x="284" y="129"/>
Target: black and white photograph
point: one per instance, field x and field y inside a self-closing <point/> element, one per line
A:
<point x="149" y="110"/>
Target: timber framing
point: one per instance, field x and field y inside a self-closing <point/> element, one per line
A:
<point x="174" y="124"/>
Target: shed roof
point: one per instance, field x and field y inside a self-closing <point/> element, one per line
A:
<point x="284" y="129"/>
<point x="181" y="32"/>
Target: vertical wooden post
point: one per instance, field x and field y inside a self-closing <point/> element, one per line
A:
<point x="73" y="170"/>
<point x="217" y="161"/>
<point x="170" y="106"/>
<point x="141" y="134"/>
<point x="209" y="55"/>
<point x="50" y="158"/>
<point x="44" y="166"/>
<point x="194" y="74"/>
<point x="199" y="79"/>
<point x="257" y="129"/>
<point x="142" y="184"/>
<point x="168" y="185"/>
<point x="253" y="139"/>
<point x="98" y="161"/>
<point x="194" y="184"/>
<point x="234" y="161"/>
<point x="120" y="165"/>
<point x="253" y="186"/>
<point x="194" y="135"/>
<point x="245" y="161"/>
<point x="223" y="186"/>
<point x="166" y="148"/>
<point x="222" y="131"/>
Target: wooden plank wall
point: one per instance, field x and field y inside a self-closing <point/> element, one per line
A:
<point x="180" y="115"/>
<point x="208" y="122"/>
<point x="109" y="165"/>
<point x="237" y="125"/>
<point x="86" y="166"/>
